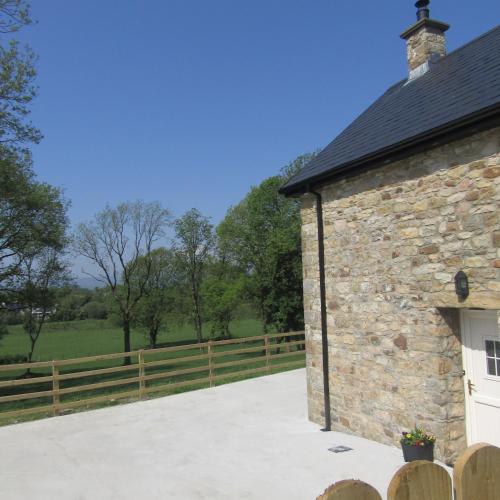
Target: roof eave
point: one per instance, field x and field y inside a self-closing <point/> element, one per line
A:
<point x="481" y="120"/>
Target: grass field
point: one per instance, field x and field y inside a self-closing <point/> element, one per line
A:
<point x="90" y="338"/>
<point x="75" y="339"/>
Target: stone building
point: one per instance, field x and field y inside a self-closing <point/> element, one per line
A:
<point x="404" y="199"/>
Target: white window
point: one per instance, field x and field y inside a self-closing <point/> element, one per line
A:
<point x="493" y="357"/>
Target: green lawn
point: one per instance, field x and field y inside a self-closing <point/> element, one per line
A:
<point x="88" y="338"/>
<point x="75" y="339"/>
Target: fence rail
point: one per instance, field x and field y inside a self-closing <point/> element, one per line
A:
<point x="147" y="374"/>
<point x="475" y="477"/>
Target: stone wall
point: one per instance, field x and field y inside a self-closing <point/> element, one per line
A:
<point x="394" y="239"/>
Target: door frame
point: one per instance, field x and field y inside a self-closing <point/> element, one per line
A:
<point x="466" y="337"/>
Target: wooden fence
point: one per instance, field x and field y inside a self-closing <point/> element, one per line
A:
<point x="476" y="476"/>
<point x="162" y="370"/>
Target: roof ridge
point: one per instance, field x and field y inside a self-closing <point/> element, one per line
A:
<point x="470" y="42"/>
<point x="400" y="83"/>
<point x="446" y="56"/>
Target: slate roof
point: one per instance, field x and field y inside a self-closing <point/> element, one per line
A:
<point x="463" y="85"/>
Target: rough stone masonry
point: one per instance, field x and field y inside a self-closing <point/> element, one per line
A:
<point x="394" y="239"/>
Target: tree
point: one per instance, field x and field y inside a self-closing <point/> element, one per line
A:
<point x="14" y="14"/>
<point x="71" y="303"/>
<point x="295" y="166"/>
<point x="32" y="217"/>
<point x="195" y="238"/>
<point x="94" y="310"/>
<point x="221" y="297"/>
<point x="16" y="92"/>
<point x="17" y="75"/>
<point x="36" y="286"/>
<point x="222" y="291"/>
<point x="262" y="235"/>
<point x="160" y="292"/>
<point x="119" y="243"/>
<point x="32" y="214"/>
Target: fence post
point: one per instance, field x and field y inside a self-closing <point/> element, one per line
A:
<point x="268" y="354"/>
<point x="55" y="388"/>
<point x="350" y="490"/>
<point x="210" y="364"/>
<point x="475" y="474"/>
<point x="142" y="382"/>
<point x="420" y="480"/>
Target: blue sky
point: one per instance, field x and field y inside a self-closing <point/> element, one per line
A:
<point x="190" y="102"/>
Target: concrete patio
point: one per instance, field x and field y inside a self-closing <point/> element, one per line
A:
<point x="249" y="439"/>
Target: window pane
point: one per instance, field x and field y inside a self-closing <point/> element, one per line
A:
<point x="497" y="346"/>
<point x="490" y="350"/>
<point x="491" y="366"/>
<point x="498" y="367"/>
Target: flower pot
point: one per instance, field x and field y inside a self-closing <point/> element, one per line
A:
<point x="411" y="453"/>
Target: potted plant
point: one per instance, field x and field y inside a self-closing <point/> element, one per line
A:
<point x="418" y="445"/>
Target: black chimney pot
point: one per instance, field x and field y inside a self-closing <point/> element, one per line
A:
<point x="423" y="11"/>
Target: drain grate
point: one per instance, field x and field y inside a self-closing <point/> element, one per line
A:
<point x="339" y="449"/>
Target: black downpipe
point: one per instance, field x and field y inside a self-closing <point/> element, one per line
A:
<point x="322" y="295"/>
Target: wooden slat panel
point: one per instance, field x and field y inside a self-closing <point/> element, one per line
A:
<point x="350" y="490"/>
<point x="243" y="340"/>
<point x="477" y="473"/>
<point x="157" y="376"/>
<point x="223" y="342"/>
<point x="289" y="334"/>
<point x="100" y="385"/>
<point x="238" y="351"/>
<point x="65" y="362"/>
<point x="249" y="339"/>
<point x="25" y="381"/>
<point x="257" y="338"/>
<point x="284" y="345"/>
<point x="422" y="480"/>
<point x="100" y="371"/>
<point x="118" y="369"/>
<point x="25" y="366"/>
<point x="174" y="361"/>
<point x="176" y="348"/>
<point x="27" y="395"/>
<point x="118" y="355"/>
<point x="100" y="357"/>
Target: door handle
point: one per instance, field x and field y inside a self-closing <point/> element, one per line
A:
<point x="470" y="385"/>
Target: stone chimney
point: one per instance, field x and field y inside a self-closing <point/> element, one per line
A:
<point x="425" y="41"/>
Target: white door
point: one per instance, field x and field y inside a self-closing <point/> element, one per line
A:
<point x="481" y="352"/>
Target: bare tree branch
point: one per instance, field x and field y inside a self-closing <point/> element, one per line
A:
<point x="115" y="241"/>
